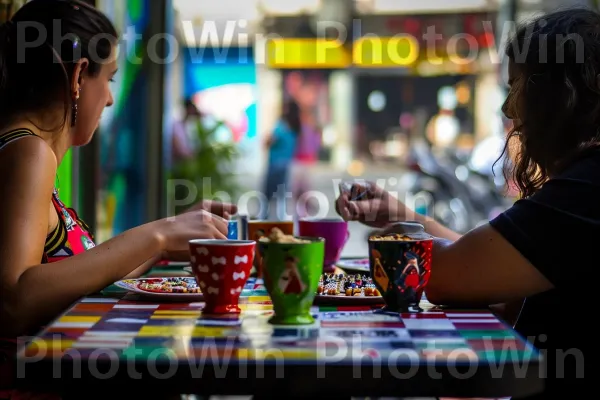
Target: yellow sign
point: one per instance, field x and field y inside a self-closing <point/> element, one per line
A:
<point x="368" y="51"/>
<point x="306" y="53"/>
<point x="388" y="52"/>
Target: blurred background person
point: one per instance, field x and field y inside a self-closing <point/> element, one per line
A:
<point x="281" y="146"/>
<point x="306" y="156"/>
<point x="184" y="132"/>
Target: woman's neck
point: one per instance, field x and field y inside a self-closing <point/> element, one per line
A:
<point x="58" y="141"/>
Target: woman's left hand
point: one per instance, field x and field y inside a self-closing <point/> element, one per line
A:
<point x="224" y="210"/>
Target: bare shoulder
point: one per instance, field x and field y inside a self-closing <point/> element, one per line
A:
<point x="27" y="156"/>
<point x="27" y="171"/>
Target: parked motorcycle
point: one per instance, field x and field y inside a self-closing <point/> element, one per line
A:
<point x="445" y="187"/>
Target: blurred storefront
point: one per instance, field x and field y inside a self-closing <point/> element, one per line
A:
<point x="445" y="71"/>
<point x="370" y="75"/>
<point x="396" y="60"/>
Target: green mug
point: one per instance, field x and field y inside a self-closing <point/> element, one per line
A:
<point x="291" y="273"/>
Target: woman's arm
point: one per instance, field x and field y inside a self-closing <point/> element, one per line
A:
<point x="40" y="292"/>
<point x="384" y="210"/>
<point x="436" y="229"/>
<point x="31" y="293"/>
<point x="142" y="269"/>
<point x="481" y="268"/>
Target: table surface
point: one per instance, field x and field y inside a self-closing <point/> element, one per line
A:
<point x="431" y="353"/>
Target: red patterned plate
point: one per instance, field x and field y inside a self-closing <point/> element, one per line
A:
<point x="184" y="288"/>
<point x="340" y="299"/>
<point x="354" y="264"/>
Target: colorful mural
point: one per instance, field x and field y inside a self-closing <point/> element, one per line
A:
<point x="121" y="196"/>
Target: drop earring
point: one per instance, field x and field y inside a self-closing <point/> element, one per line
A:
<point x="74" y="108"/>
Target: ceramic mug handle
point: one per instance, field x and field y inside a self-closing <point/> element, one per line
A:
<point x="406" y="227"/>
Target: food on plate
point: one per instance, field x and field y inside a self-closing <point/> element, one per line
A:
<point x="346" y="285"/>
<point x="169" y="285"/>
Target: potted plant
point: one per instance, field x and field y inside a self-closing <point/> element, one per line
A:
<point x="211" y="169"/>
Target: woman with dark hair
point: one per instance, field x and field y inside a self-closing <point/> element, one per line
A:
<point x="282" y="146"/>
<point x="57" y="58"/>
<point x="554" y="103"/>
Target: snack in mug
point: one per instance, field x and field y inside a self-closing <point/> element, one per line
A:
<point x="392" y="237"/>
<point x="277" y="236"/>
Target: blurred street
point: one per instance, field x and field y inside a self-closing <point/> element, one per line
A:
<point x="324" y="182"/>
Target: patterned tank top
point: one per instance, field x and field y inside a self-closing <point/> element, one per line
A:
<point x="70" y="237"/>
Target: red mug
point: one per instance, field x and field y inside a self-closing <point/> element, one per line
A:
<point x="221" y="268"/>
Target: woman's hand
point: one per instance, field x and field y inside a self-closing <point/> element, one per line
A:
<point x="376" y="208"/>
<point x="224" y="210"/>
<point x="175" y="232"/>
<point x="379" y="209"/>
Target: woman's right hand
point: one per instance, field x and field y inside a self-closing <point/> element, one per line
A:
<point x="175" y="232"/>
<point x="378" y="208"/>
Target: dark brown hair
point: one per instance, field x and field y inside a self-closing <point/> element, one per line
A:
<point x="39" y="47"/>
<point x="554" y="101"/>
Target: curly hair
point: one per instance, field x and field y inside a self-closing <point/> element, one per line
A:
<point x="554" y="99"/>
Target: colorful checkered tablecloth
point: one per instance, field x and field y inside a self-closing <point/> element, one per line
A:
<point x="116" y="331"/>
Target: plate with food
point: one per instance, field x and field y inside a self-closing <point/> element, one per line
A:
<point x="354" y="264"/>
<point x="347" y="289"/>
<point x="177" y="288"/>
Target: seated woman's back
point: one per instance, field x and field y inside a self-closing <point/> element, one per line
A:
<point x="558" y="230"/>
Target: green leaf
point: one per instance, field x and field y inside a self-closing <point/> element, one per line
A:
<point x="213" y="160"/>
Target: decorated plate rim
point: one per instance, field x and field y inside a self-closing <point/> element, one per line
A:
<point x="340" y="299"/>
<point x="129" y="284"/>
<point x="355" y="263"/>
